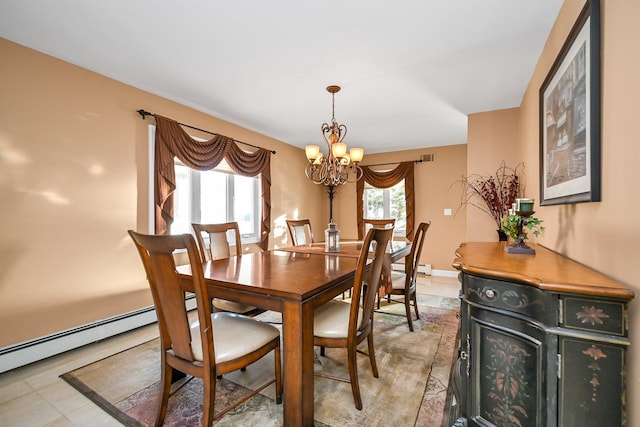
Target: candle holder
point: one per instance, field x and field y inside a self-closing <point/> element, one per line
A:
<point x="520" y="245"/>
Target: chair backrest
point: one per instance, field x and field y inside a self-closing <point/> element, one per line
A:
<point x="412" y="261"/>
<point x="156" y="252"/>
<point x="367" y="280"/>
<point x="300" y="231"/>
<point x="218" y="243"/>
<point x="379" y="223"/>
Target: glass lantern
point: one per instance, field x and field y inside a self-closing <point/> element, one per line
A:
<point x="332" y="238"/>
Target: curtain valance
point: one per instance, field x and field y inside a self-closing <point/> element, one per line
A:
<point x="172" y="141"/>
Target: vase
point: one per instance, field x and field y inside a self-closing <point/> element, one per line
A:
<point x="502" y="236"/>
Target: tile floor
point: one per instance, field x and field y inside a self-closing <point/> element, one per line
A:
<point x="35" y="396"/>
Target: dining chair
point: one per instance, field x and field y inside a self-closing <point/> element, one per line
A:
<point x="219" y="248"/>
<point x="405" y="283"/>
<point x="215" y="343"/>
<point x="379" y="223"/>
<point x="345" y="325"/>
<point x="300" y="231"/>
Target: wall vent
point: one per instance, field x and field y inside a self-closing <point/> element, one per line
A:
<point x="428" y="157"/>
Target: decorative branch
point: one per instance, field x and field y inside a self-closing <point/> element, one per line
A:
<point x="493" y="194"/>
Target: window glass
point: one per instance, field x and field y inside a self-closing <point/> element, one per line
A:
<point x="216" y="196"/>
<point x="381" y="203"/>
<point x="213" y="186"/>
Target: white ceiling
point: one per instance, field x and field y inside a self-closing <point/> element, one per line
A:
<point x="410" y="70"/>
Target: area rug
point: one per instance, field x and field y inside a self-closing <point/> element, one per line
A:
<point x="411" y="389"/>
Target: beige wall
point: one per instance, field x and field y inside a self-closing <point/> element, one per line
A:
<point x="603" y="235"/>
<point x="492" y="139"/>
<point x="73" y="179"/>
<point x="435" y="191"/>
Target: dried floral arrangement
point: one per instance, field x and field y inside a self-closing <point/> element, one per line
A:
<point x="493" y="194"/>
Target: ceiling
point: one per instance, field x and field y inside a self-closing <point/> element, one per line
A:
<point x="410" y="71"/>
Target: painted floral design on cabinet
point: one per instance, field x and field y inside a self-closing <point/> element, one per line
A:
<point x="592" y="315"/>
<point x="508" y="395"/>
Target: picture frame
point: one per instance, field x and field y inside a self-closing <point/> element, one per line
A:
<point x="570" y="116"/>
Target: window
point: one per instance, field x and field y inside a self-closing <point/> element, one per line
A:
<point x="214" y="196"/>
<point x="380" y="203"/>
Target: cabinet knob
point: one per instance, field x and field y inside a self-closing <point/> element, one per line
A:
<point x="490" y="293"/>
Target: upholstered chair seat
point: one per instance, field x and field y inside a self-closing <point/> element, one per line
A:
<point x="397" y="280"/>
<point x="331" y="320"/>
<point x="235" y="335"/>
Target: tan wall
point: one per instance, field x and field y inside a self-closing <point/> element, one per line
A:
<point x="492" y="139"/>
<point x="73" y="179"/>
<point x="602" y="235"/>
<point x="434" y="193"/>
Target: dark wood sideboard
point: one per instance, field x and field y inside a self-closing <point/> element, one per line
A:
<point x="542" y="341"/>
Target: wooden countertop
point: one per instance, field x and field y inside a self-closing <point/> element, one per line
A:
<point x="546" y="270"/>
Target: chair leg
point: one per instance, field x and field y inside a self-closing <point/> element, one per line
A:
<point x="407" y="310"/>
<point x="278" y="371"/>
<point x="415" y="304"/>
<point x="164" y="397"/>
<point x="372" y="355"/>
<point x="209" y="398"/>
<point x="322" y="351"/>
<point x="353" y="376"/>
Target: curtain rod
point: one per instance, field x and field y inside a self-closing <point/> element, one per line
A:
<point x="144" y="115"/>
<point x="393" y="163"/>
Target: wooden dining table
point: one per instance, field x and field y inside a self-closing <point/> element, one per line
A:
<point x="396" y="250"/>
<point x="293" y="283"/>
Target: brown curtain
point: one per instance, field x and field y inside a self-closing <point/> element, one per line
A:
<point x="172" y="141"/>
<point x="385" y="180"/>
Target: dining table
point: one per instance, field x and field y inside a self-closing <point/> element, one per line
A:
<point x="396" y="250"/>
<point x="294" y="283"/>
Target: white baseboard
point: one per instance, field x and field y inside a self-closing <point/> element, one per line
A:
<point x="26" y="352"/>
<point x="427" y="270"/>
<point x="445" y="273"/>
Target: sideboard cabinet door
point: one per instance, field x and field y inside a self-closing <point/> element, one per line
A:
<point x="508" y="366"/>
<point x="591" y="391"/>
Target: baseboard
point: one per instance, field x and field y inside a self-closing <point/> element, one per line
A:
<point x="445" y="273"/>
<point x="427" y="270"/>
<point x="21" y="354"/>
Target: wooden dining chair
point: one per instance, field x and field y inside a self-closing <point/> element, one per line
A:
<point x="300" y="231"/>
<point x="345" y="325"/>
<point x="379" y="223"/>
<point x="405" y="283"/>
<point x="219" y="248"/>
<point x="214" y="344"/>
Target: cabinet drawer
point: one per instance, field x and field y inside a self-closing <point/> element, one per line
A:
<point x="510" y="296"/>
<point x="594" y="315"/>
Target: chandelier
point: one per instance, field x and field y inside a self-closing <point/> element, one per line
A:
<point x="337" y="167"/>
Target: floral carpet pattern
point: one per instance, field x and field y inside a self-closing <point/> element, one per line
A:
<point x="411" y="390"/>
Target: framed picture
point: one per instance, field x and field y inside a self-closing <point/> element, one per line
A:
<point x="570" y="116"/>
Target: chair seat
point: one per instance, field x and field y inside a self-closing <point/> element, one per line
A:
<point x="235" y="307"/>
<point x="235" y="336"/>
<point x="331" y="320"/>
<point x="398" y="280"/>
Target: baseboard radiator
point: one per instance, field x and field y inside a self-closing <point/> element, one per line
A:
<point x="24" y="353"/>
<point x="427" y="270"/>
